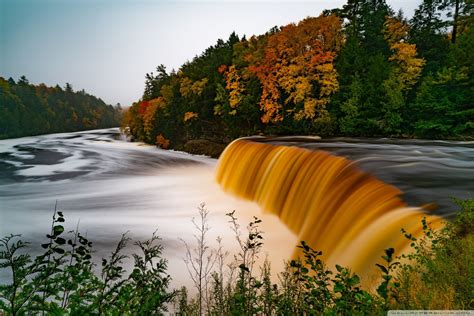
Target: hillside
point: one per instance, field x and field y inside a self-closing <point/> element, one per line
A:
<point x="27" y="109"/>
<point x="362" y="70"/>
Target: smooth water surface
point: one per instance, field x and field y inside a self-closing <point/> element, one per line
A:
<point x="110" y="186"/>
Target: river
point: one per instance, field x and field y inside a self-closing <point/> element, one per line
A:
<point x="110" y="186"/>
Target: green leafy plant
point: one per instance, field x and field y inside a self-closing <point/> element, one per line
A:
<point x="61" y="280"/>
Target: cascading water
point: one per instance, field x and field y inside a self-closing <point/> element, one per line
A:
<point x="325" y="200"/>
<point x="112" y="186"/>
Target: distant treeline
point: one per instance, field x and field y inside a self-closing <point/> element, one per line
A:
<point x="27" y="109"/>
<point x="361" y="70"/>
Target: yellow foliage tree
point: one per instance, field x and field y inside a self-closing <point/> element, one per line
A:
<point x="188" y="87"/>
<point x="234" y="86"/>
<point x="198" y="86"/>
<point x="185" y="86"/>
<point x="404" y="54"/>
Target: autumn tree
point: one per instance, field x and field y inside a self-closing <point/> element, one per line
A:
<point x="234" y="86"/>
<point x="297" y="72"/>
<point x="359" y="70"/>
<point x="405" y="73"/>
<point x="404" y="54"/>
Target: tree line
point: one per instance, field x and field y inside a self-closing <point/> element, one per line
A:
<point x="359" y="70"/>
<point x="27" y="109"/>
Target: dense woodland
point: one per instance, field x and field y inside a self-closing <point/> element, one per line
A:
<point x="27" y="109"/>
<point x="361" y="70"/>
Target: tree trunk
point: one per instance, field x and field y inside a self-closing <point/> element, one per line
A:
<point x="455" y="22"/>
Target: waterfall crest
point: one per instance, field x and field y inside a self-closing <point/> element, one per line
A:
<point x="326" y="200"/>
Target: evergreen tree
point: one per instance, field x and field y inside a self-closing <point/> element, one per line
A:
<point x="427" y="32"/>
<point x="27" y="109"/>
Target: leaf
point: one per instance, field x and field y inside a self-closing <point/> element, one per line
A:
<point x="60" y="241"/>
<point x="339" y="287"/>
<point x="354" y="280"/>
<point x="58" y="230"/>
<point x="381" y="267"/>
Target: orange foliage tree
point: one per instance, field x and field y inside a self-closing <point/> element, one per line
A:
<point x="149" y="115"/>
<point x="297" y="71"/>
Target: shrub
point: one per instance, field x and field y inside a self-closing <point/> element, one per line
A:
<point x="61" y="280"/>
<point x="439" y="273"/>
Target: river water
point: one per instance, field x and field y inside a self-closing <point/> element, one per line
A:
<point x="110" y="186"/>
<point x="426" y="171"/>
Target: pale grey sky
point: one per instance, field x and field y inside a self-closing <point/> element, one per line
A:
<point x="107" y="46"/>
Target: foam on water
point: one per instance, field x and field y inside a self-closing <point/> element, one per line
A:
<point x="113" y="186"/>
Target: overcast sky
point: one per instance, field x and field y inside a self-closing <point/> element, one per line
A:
<point x="106" y="46"/>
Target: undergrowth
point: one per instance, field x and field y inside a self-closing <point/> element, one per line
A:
<point x="63" y="279"/>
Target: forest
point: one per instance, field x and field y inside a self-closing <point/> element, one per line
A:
<point x="362" y="70"/>
<point x="27" y="109"/>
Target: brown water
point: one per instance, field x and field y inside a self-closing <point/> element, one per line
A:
<point x="112" y="186"/>
<point x="325" y="200"/>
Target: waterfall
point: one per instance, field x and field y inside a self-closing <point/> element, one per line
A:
<point x="325" y="200"/>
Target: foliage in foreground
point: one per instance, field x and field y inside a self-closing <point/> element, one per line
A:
<point x="63" y="278"/>
<point x="438" y="274"/>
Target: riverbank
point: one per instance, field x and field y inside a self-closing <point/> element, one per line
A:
<point x="203" y="147"/>
<point x="213" y="149"/>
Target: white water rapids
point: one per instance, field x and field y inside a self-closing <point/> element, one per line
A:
<point x="112" y="186"/>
